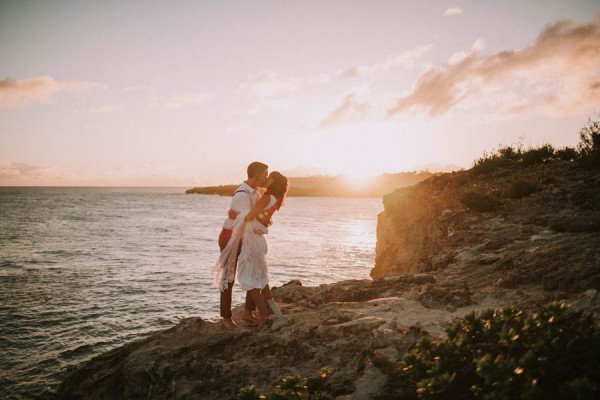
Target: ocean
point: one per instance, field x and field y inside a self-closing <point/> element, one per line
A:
<point x="85" y="270"/>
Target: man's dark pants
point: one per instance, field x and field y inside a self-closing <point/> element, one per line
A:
<point x="226" y="294"/>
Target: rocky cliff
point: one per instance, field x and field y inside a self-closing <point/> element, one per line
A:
<point x="514" y="226"/>
<point x="450" y="245"/>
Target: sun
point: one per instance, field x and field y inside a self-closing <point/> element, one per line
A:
<point x="358" y="180"/>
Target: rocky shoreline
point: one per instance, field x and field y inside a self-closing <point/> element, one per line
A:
<point x="359" y="329"/>
<point x="437" y="260"/>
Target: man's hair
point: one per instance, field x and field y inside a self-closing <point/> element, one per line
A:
<point x="256" y="168"/>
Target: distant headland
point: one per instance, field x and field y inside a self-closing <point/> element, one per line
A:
<point x="334" y="186"/>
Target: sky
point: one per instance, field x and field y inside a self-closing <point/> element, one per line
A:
<point x="188" y="93"/>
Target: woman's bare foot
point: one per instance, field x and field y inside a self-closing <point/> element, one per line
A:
<point x="260" y="304"/>
<point x="249" y="318"/>
<point x="229" y="324"/>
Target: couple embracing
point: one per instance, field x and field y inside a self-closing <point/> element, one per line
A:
<point x="243" y="245"/>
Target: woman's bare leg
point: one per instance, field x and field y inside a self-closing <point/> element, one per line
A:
<point x="261" y="304"/>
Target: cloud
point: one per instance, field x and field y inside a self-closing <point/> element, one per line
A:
<point x="406" y="59"/>
<point x="461" y="55"/>
<point x="349" y="109"/>
<point x="261" y="78"/>
<point x="351" y="72"/>
<point x="193" y="99"/>
<point x="268" y="91"/>
<point x="453" y="11"/>
<point x="557" y="73"/>
<point x="106" y="108"/>
<point x="268" y="84"/>
<point x="15" y="93"/>
<point x="28" y="174"/>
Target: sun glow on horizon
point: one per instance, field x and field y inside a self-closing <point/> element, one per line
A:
<point x="358" y="180"/>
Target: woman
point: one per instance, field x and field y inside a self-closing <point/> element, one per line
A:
<point x="252" y="272"/>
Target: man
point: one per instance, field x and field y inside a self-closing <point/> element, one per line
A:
<point x="244" y="198"/>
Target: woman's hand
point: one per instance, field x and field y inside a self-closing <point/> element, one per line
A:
<point x="258" y="207"/>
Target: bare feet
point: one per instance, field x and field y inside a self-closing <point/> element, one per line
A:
<point x="259" y="318"/>
<point x="229" y="324"/>
<point x="249" y="318"/>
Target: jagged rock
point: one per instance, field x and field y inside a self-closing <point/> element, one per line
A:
<point x="362" y="341"/>
<point x="549" y="238"/>
<point x="197" y="359"/>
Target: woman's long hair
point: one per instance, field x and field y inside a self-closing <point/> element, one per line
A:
<point x="278" y="188"/>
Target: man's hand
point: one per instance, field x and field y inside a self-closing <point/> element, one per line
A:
<point x="232" y="214"/>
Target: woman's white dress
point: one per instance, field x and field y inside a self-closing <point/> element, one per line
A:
<point x="252" y="270"/>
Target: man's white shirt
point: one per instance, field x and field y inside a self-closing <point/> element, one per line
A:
<point x="242" y="202"/>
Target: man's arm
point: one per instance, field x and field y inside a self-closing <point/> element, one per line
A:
<point x="231" y="213"/>
<point x="240" y="204"/>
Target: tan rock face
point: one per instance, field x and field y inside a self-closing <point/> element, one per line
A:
<point x="551" y="237"/>
<point x="414" y="224"/>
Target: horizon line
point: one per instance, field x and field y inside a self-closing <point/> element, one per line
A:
<point x="222" y="184"/>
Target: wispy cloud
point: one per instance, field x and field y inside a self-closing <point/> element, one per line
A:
<point x="269" y="91"/>
<point x="268" y="84"/>
<point x="558" y="72"/>
<point x="28" y="174"/>
<point x="406" y="59"/>
<point x="349" y="109"/>
<point x="261" y="78"/>
<point x="15" y="93"/>
<point x="193" y="99"/>
<point x="453" y="11"/>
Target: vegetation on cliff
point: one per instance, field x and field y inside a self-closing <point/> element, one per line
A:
<point x="493" y="355"/>
<point x="292" y="387"/>
<point x="586" y="155"/>
<point x="507" y="354"/>
<point x="491" y="214"/>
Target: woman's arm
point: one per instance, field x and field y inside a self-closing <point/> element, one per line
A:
<point x="260" y="205"/>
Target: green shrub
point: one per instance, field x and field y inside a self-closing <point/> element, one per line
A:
<point x="490" y="162"/>
<point x="479" y="202"/>
<point x="506" y="354"/>
<point x="520" y="188"/>
<point x="589" y="144"/>
<point x="250" y="393"/>
<point x="510" y="153"/>
<point x="513" y="155"/>
<point x="291" y="387"/>
<point x="538" y="155"/>
<point x="567" y="154"/>
<point x="587" y="153"/>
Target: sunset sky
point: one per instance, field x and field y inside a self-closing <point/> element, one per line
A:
<point x="187" y="93"/>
